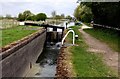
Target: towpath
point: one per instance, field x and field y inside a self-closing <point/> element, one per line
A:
<point x="110" y="57"/>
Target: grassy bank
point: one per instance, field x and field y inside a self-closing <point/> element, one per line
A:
<point x="110" y="37"/>
<point x="87" y="64"/>
<point x="15" y="33"/>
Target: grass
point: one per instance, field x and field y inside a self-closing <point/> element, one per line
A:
<point x="88" y="24"/>
<point x="110" y="37"/>
<point x="87" y="64"/>
<point x="15" y="33"/>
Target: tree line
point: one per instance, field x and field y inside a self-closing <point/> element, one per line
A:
<point x="27" y="15"/>
<point x="83" y="13"/>
<point x="104" y="13"/>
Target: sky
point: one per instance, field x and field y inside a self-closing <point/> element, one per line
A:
<point x="14" y="7"/>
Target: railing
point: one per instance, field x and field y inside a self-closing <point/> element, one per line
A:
<point x="105" y="26"/>
<point x="67" y="35"/>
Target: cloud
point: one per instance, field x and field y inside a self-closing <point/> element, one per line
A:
<point x="14" y="7"/>
<point x="53" y="1"/>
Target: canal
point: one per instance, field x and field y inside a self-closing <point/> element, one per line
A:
<point x="45" y="66"/>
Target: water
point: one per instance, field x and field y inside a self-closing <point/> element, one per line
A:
<point x="70" y="24"/>
<point x="46" y="64"/>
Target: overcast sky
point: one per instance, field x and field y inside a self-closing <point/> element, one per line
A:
<point x="14" y="7"/>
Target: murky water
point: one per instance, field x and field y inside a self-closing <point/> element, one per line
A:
<point x="47" y="61"/>
<point x="46" y="64"/>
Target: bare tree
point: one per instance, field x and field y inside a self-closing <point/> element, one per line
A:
<point x="53" y="14"/>
<point x="8" y="16"/>
<point x="62" y="16"/>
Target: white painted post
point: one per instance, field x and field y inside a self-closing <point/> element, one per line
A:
<point x="67" y="35"/>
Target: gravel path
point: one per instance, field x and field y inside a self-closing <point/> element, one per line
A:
<point x="110" y="57"/>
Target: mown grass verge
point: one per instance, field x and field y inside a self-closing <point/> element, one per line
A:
<point x="110" y="37"/>
<point x="16" y="33"/>
<point x="87" y="64"/>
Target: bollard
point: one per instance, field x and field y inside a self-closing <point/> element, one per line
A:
<point x="76" y="37"/>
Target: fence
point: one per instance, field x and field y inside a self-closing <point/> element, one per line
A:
<point x="104" y="26"/>
<point x="8" y="23"/>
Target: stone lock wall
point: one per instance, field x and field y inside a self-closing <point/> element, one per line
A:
<point x="18" y="63"/>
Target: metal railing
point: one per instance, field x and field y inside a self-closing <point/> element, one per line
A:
<point x="67" y="35"/>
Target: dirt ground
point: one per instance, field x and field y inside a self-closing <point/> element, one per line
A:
<point x="110" y="57"/>
<point x="64" y="64"/>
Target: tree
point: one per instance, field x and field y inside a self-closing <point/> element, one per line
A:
<point x="58" y="17"/>
<point x="53" y="14"/>
<point x="62" y="16"/>
<point x="32" y="18"/>
<point x="68" y="17"/>
<point x="27" y="14"/>
<point x="86" y="14"/>
<point x="8" y="16"/>
<point x="41" y="16"/>
<point x="77" y="13"/>
<point x="106" y="13"/>
<point x="1" y="17"/>
<point x="83" y="13"/>
<point x="20" y="17"/>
